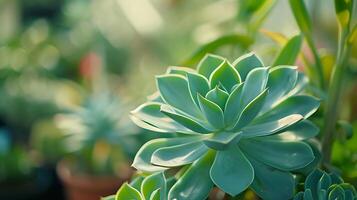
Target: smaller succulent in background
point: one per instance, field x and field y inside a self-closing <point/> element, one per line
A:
<point x="94" y="134"/>
<point x="320" y="185"/>
<point x="152" y="187"/>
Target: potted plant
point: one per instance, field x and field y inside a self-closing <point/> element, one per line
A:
<point x="96" y="164"/>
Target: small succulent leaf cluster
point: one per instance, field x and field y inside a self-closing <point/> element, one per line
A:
<point x="152" y="187"/>
<point x="237" y="124"/>
<point x="323" y="186"/>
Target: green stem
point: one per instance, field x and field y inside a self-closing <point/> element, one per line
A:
<point x="334" y="97"/>
<point x="318" y="63"/>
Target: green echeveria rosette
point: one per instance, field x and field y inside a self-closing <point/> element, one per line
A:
<point x="237" y="125"/>
<point x="320" y="185"/>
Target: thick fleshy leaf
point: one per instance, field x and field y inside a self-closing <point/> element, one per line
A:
<point x="195" y="183"/>
<point x="312" y="181"/>
<point x="290" y="51"/>
<point x="300" y="104"/>
<point x="151" y="114"/>
<point x="254" y="84"/>
<point x="270" y="183"/>
<point x="185" y="121"/>
<point x="324" y="182"/>
<point x="212" y="111"/>
<point x="179" y="155"/>
<point x="247" y="63"/>
<point x="285" y="156"/>
<point x="128" y="192"/>
<point x="174" y="90"/>
<point x="179" y="70"/>
<point x="198" y="84"/>
<point x="282" y="80"/>
<point x="222" y="140"/>
<point x="152" y="183"/>
<point x="231" y="171"/>
<point x="300" y="85"/>
<point x="218" y="96"/>
<point x="337" y="193"/>
<point x="250" y="111"/>
<point x="155" y="195"/>
<point x="233" y="107"/>
<point x="208" y="64"/>
<point x="300" y="131"/>
<point x="272" y="127"/>
<point x="226" y="75"/>
<point x="136" y="182"/>
<point x="142" y="160"/>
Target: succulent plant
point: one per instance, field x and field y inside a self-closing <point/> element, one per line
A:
<point x="152" y="187"/>
<point x="236" y="126"/>
<point x="320" y="185"/>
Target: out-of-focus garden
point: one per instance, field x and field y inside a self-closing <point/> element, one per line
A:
<point x="71" y="71"/>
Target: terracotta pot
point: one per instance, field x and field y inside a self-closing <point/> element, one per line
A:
<point x="87" y="187"/>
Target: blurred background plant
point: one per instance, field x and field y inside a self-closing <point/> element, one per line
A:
<point x="51" y="52"/>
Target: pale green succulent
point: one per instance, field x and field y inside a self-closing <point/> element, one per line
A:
<point x="237" y="125"/>
<point x="320" y="185"/>
<point x="152" y="187"/>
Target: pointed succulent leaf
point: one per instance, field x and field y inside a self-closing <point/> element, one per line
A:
<point x="290" y="51"/>
<point x="226" y="75"/>
<point x="250" y="111"/>
<point x="179" y="70"/>
<point x="185" y="121"/>
<point x="247" y="63"/>
<point x="128" y="192"/>
<point x="324" y="182"/>
<point x="195" y="183"/>
<point x="282" y="80"/>
<point x="218" y="96"/>
<point x="282" y="155"/>
<point x="142" y="160"/>
<point x="300" y="131"/>
<point x="155" y="195"/>
<point x="272" y="127"/>
<point x="233" y="106"/>
<point x="222" y="140"/>
<point x="308" y="195"/>
<point x="312" y="180"/>
<point x="301" y="104"/>
<point x="208" y="64"/>
<point x="336" y="193"/>
<point x="269" y="180"/>
<point x="198" y="84"/>
<point x="212" y="111"/>
<point x="151" y="183"/>
<point x="231" y="171"/>
<point x="254" y="84"/>
<point x="175" y="92"/>
<point x="136" y="182"/>
<point x="179" y="155"/>
<point x="300" y="85"/>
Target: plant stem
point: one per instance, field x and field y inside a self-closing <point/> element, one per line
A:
<point x="334" y="97"/>
<point x="318" y="63"/>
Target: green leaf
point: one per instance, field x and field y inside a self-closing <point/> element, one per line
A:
<point x="277" y="37"/>
<point x="155" y="195"/>
<point x="231" y="171"/>
<point x="226" y="75"/>
<point x="218" y="96"/>
<point x="195" y="183"/>
<point x="183" y="71"/>
<point x="208" y="64"/>
<point x="300" y="104"/>
<point x="311" y="182"/>
<point x="128" y="192"/>
<point x="337" y="193"/>
<point x="269" y="128"/>
<point x="250" y="111"/>
<point x="282" y="155"/>
<point x="222" y="140"/>
<point x="290" y="51"/>
<point x="179" y="155"/>
<point x="246" y="63"/>
<point x="142" y="160"/>
<point x="308" y="195"/>
<point x="300" y="131"/>
<point x="198" y="84"/>
<point x="175" y="92"/>
<point x="254" y="84"/>
<point x="152" y="183"/>
<point x="345" y="129"/>
<point x="233" y="107"/>
<point x="239" y="40"/>
<point x="278" y="75"/>
<point x="301" y="16"/>
<point x="149" y="116"/>
<point x="344" y="12"/>
<point x="185" y="121"/>
<point x="212" y="111"/>
<point x="136" y="182"/>
<point x="270" y="183"/>
<point x="324" y="182"/>
<point x="299" y="196"/>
